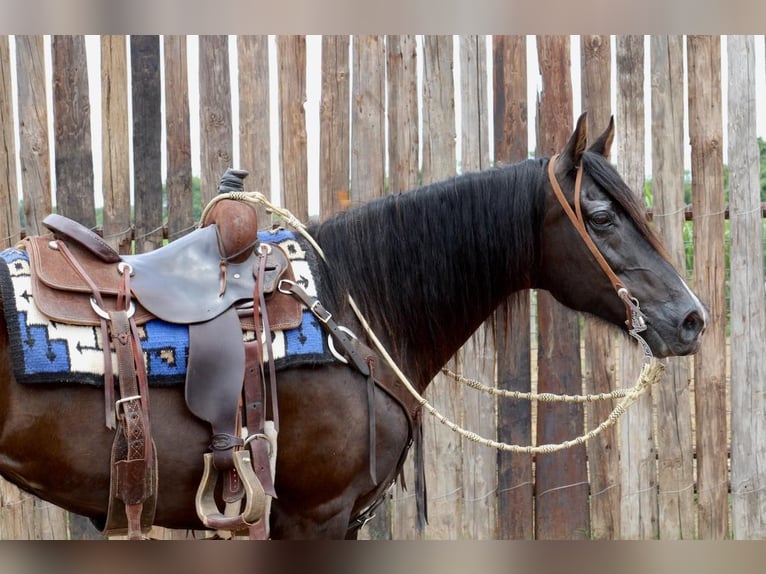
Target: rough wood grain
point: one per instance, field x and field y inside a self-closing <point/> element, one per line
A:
<point x="255" y="115"/>
<point x="216" y="143"/>
<point x="9" y="198"/>
<point x="600" y="358"/>
<point x="178" y="181"/>
<point x="71" y="121"/>
<point x="561" y="504"/>
<point x="403" y="138"/>
<point x="368" y="152"/>
<point x="638" y="454"/>
<point x="335" y="130"/>
<point x="442" y="446"/>
<point x="291" y="54"/>
<point x="34" y="151"/>
<point x="675" y="457"/>
<point x="748" y="317"/>
<point x="115" y="150"/>
<point x="515" y="496"/>
<point x="147" y="144"/>
<point x="706" y="136"/>
<point x="477" y="357"/>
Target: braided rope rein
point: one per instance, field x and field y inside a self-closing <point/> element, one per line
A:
<point x="651" y="372"/>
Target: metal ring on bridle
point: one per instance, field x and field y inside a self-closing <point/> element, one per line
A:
<point x="331" y="344"/>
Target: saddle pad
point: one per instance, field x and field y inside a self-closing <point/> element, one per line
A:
<point x="46" y="351"/>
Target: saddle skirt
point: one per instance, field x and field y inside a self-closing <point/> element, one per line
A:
<point x="52" y="342"/>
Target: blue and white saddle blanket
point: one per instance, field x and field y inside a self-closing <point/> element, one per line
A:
<point x="45" y="351"/>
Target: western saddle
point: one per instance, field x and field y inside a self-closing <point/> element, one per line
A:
<point x="220" y="281"/>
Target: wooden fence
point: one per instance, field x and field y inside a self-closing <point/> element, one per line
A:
<point x="678" y="466"/>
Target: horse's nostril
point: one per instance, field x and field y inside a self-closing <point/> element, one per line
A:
<point x="693" y="324"/>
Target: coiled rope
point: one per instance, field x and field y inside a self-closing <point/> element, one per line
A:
<point x="651" y="372"/>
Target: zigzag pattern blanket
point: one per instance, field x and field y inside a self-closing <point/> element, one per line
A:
<point x="44" y="351"/>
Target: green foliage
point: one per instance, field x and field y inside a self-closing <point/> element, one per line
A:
<point x="196" y="200"/>
<point x="762" y="150"/>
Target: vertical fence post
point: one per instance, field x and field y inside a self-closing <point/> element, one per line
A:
<point x="71" y="119"/>
<point x="477" y="357"/>
<point x="9" y="218"/>
<point x="706" y="136"/>
<point x="514" y="340"/>
<point x="675" y="462"/>
<point x="178" y="182"/>
<point x="214" y="114"/>
<point x="442" y="447"/>
<point x="403" y="140"/>
<point x="147" y="130"/>
<point x="335" y="130"/>
<point x="291" y="54"/>
<point x="255" y="115"/>
<point x="638" y="456"/>
<point x="561" y="503"/>
<point x="599" y="338"/>
<point x="34" y="151"/>
<point x="115" y="143"/>
<point x="748" y="319"/>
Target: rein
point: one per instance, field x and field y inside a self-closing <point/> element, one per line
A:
<point x="651" y="372"/>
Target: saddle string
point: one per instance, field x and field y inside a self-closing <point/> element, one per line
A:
<point x="651" y="372"/>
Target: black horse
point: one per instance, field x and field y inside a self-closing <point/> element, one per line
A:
<point x="426" y="268"/>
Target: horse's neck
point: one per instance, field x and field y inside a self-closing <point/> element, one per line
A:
<point x="430" y="266"/>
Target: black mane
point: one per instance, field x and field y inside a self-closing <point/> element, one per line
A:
<point x="428" y="262"/>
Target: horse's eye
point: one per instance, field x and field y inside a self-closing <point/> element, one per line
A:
<point x="601" y="219"/>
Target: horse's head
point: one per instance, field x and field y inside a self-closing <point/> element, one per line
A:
<point x="632" y="256"/>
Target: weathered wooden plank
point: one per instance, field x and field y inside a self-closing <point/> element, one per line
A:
<point x="115" y="150"/>
<point x="216" y="142"/>
<point x="9" y="198"/>
<point x="334" y="126"/>
<point x="599" y="339"/>
<point x="442" y="446"/>
<point x="178" y="182"/>
<point x="255" y="115"/>
<point x="748" y="316"/>
<point x="22" y="516"/>
<point x="474" y="113"/>
<point x="34" y="152"/>
<point x="368" y="150"/>
<point x="638" y="455"/>
<point x="561" y="506"/>
<point x="402" y="113"/>
<point x="675" y="457"/>
<point x="706" y="136"/>
<point x="477" y="356"/>
<point x="403" y="175"/>
<point x="513" y="338"/>
<point x="71" y="119"/>
<point x="291" y="54"/>
<point x="147" y="143"/>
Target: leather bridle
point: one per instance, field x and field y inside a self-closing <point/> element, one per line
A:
<point x="636" y="321"/>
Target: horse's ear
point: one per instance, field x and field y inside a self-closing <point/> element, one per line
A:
<point x="570" y="156"/>
<point x="603" y="145"/>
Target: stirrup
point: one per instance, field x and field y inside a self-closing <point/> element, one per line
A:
<point x="255" y="497"/>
